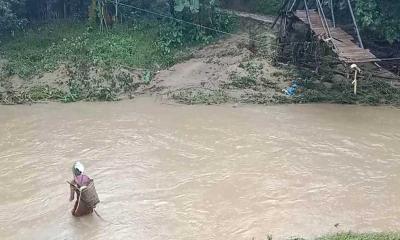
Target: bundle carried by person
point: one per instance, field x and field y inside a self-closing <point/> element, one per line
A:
<point x="89" y="194"/>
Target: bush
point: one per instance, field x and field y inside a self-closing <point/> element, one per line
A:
<point x="176" y="34"/>
<point x="363" y="236"/>
<point x="11" y="15"/>
<point x="45" y="47"/>
<point x="269" y="7"/>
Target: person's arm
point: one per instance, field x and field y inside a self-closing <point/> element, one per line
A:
<point x="72" y="191"/>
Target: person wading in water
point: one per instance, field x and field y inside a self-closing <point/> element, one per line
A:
<point x="86" y="195"/>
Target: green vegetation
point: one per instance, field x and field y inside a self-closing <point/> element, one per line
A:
<point x="95" y="62"/>
<point x="12" y="15"/>
<point x="86" y="62"/>
<point x="200" y="96"/>
<point x="362" y="236"/>
<point x="331" y="84"/>
<point x="379" y="18"/>
<point x="268" y="7"/>
<point x="328" y="86"/>
<point x="370" y="92"/>
<point x="251" y="80"/>
<point x="353" y="236"/>
<point x="92" y="60"/>
<point x="143" y="43"/>
<point x="178" y="34"/>
<point x="44" y="47"/>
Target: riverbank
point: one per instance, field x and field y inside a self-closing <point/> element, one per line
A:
<point x="362" y="236"/>
<point x="353" y="236"/>
<point x="73" y="63"/>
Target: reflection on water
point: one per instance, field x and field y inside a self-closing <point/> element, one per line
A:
<point x="200" y="172"/>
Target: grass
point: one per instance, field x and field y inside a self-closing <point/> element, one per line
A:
<point x="93" y="63"/>
<point x="269" y="7"/>
<point x="43" y="48"/>
<point x="92" y="59"/>
<point x="362" y="236"/>
<point x="353" y="236"/>
<point x="200" y="96"/>
<point x="371" y="91"/>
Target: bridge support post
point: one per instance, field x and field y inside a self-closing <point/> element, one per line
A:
<point x="356" y="71"/>
<point x="308" y="13"/>
<point x="355" y="24"/>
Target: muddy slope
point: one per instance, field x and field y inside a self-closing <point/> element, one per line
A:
<point x="228" y="70"/>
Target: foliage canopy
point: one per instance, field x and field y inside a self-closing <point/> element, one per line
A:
<point x="377" y="18"/>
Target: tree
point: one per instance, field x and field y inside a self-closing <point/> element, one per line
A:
<point x="199" y="11"/>
<point x="12" y="14"/>
<point x="171" y="4"/>
<point x="381" y="17"/>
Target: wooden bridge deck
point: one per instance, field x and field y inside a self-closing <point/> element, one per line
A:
<point x="345" y="45"/>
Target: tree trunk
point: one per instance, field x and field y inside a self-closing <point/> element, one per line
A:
<point x="116" y="11"/>
<point x="172" y="7"/>
<point x="65" y="9"/>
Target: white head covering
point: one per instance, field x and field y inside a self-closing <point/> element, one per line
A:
<point x="78" y="167"/>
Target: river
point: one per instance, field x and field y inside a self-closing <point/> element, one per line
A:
<point x="200" y="172"/>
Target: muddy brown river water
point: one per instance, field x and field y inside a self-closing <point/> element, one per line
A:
<point x="200" y="172"/>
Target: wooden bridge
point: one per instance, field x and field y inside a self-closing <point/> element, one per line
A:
<point x="344" y="45"/>
<point x="347" y="48"/>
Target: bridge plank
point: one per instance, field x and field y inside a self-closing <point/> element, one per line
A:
<point x="346" y="47"/>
